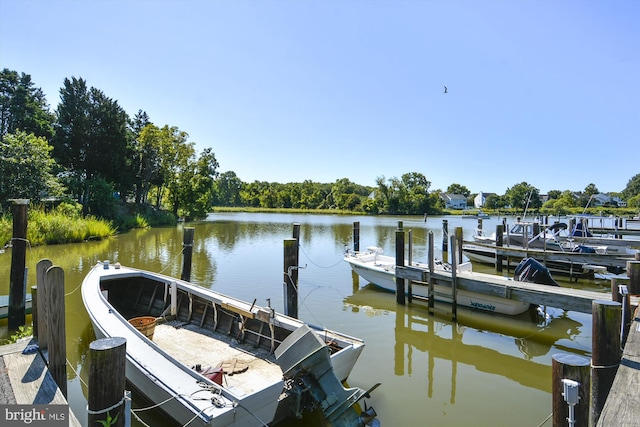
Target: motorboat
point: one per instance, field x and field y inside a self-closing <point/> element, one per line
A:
<point x="379" y="269"/>
<point x="207" y="359"/>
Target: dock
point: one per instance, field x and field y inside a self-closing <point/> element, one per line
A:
<point x="25" y="380"/>
<point x="490" y="284"/>
<point x="622" y="407"/>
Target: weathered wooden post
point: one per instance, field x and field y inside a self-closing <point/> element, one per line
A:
<point x="34" y="311"/>
<point x="499" y="240"/>
<point x="479" y="225"/>
<point x="573" y="368"/>
<point x="633" y="271"/>
<point x="43" y="311"/>
<point x="605" y="352"/>
<point x="56" y="333"/>
<point x="356" y="236"/>
<point x="454" y="278"/>
<point x="107" y="360"/>
<point x="17" y="291"/>
<point x="187" y="245"/>
<point x="445" y="235"/>
<point x="291" y="277"/>
<point x="431" y="243"/>
<point x="458" y="251"/>
<point x="400" y="294"/>
<point x="409" y="262"/>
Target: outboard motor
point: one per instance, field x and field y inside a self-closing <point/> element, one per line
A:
<point x="530" y="270"/>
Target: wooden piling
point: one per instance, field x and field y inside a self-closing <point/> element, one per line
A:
<point x="56" y="333"/>
<point x="296" y="231"/>
<point x="499" y="242"/>
<point x="576" y="368"/>
<point x="409" y="262"/>
<point x="17" y="292"/>
<point x="458" y="235"/>
<point x="454" y="278"/>
<point x="479" y="225"/>
<point x="187" y="244"/>
<point x="605" y="352"/>
<point x="43" y="311"/>
<point x="291" y="277"/>
<point x="400" y="293"/>
<point x="107" y="360"/>
<point x="445" y="235"/>
<point x="356" y="236"/>
<point x="633" y="271"/>
<point x="34" y="312"/>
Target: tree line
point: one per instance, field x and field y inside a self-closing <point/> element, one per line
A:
<point x="90" y="151"/>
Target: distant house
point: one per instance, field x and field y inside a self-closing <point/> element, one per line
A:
<point x="454" y="201"/>
<point x="606" y="200"/>
<point x="480" y="199"/>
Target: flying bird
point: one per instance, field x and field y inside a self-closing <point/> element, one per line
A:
<point x="445" y="90"/>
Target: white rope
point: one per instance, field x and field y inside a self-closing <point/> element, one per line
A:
<point x="102" y="411"/>
<point x="172" y="261"/>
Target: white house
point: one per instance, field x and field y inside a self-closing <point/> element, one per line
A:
<point x="454" y="201"/>
<point x="480" y="199"/>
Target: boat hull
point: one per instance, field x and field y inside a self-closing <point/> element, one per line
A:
<point x="156" y="372"/>
<point x="382" y="275"/>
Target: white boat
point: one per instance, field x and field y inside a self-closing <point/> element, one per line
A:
<point x="213" y="360"/>
<point x="379" y="270"/>
<point x="471" y="214"/>
<point x="4" y="305"/>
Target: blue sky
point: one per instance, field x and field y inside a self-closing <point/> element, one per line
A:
<point x="546" y="92"/>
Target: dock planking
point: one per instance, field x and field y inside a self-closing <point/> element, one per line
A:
<point x="491" y="284"/>
<point x="30" y="380"/>
<point x="622" y="407"/>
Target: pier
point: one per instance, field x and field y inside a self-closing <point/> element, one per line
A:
<point x="491" y="284"/>
<point x="25" y="380"/>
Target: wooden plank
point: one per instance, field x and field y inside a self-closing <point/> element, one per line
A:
<point x="30" y="379"/>
<point x="622" y="407"/>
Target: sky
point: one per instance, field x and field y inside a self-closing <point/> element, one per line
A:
<point x="545" y="92"/>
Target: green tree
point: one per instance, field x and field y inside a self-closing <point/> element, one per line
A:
<point x="26" y="168"/>
<point x="92" y="139"/>
<point x="23" y="106"/>
<point x="198" y="185"/>
<point x="554" y="194"/>
<point x="458" y="189"/>
<point x="522" y="195"/>
<point x="633" y="187"/>
<point x="591" y="189"/>
<point x="228" y="189"/>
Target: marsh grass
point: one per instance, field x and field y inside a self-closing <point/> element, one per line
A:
<point x="62" y="225"/>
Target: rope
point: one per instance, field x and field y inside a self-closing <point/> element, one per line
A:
<point x="303" y="300"/>
<point x="77" y="374"/>
<point x="546" y="419"/>
<point x="312" y="262"/>
<point x="605" y="366"/>
<point x="172" y="261"/>
<point x="102" y="411"/>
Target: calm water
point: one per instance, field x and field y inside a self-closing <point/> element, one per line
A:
<point x="484" y="370"/>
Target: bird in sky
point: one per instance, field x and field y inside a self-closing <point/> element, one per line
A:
<point x="445" y="90"/>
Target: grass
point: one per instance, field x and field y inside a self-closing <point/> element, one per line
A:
<point x="62" y="225"/>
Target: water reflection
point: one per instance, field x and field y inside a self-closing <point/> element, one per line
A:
<point x="448" y="344"/>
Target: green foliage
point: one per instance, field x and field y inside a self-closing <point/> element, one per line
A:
<point x="26" y="168"/>
<point x="23" y="107"/>
<point x="522" y="194"/>
<point x="109" y="421"/>
<point x="458" y="189"/>
<point x="22" y="332"/>
<point x="633" y="187"/>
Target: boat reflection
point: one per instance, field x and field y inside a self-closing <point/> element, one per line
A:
<point x="515" y="347"/>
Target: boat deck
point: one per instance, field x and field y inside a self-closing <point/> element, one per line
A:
<point x="246" y="368"/>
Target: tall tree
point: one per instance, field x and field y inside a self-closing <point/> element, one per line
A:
<point x="139" y="122"/>
<point x="228" y="187"/>
<point x="633" y="187"/>
<point x="458" y="189"/>
<point x="522" y="195"/>
<point x="92" y="138"/>
<point x="23" y="106"/>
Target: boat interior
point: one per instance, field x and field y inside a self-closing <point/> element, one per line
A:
<point x="231" y="344"/>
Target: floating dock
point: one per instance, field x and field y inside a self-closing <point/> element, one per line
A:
<point x="491" y="284"/>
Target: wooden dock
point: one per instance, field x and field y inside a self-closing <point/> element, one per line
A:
<point x="491" y="284"/>
<point x="622" y="407"/>
<point x="25" y="380"/>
